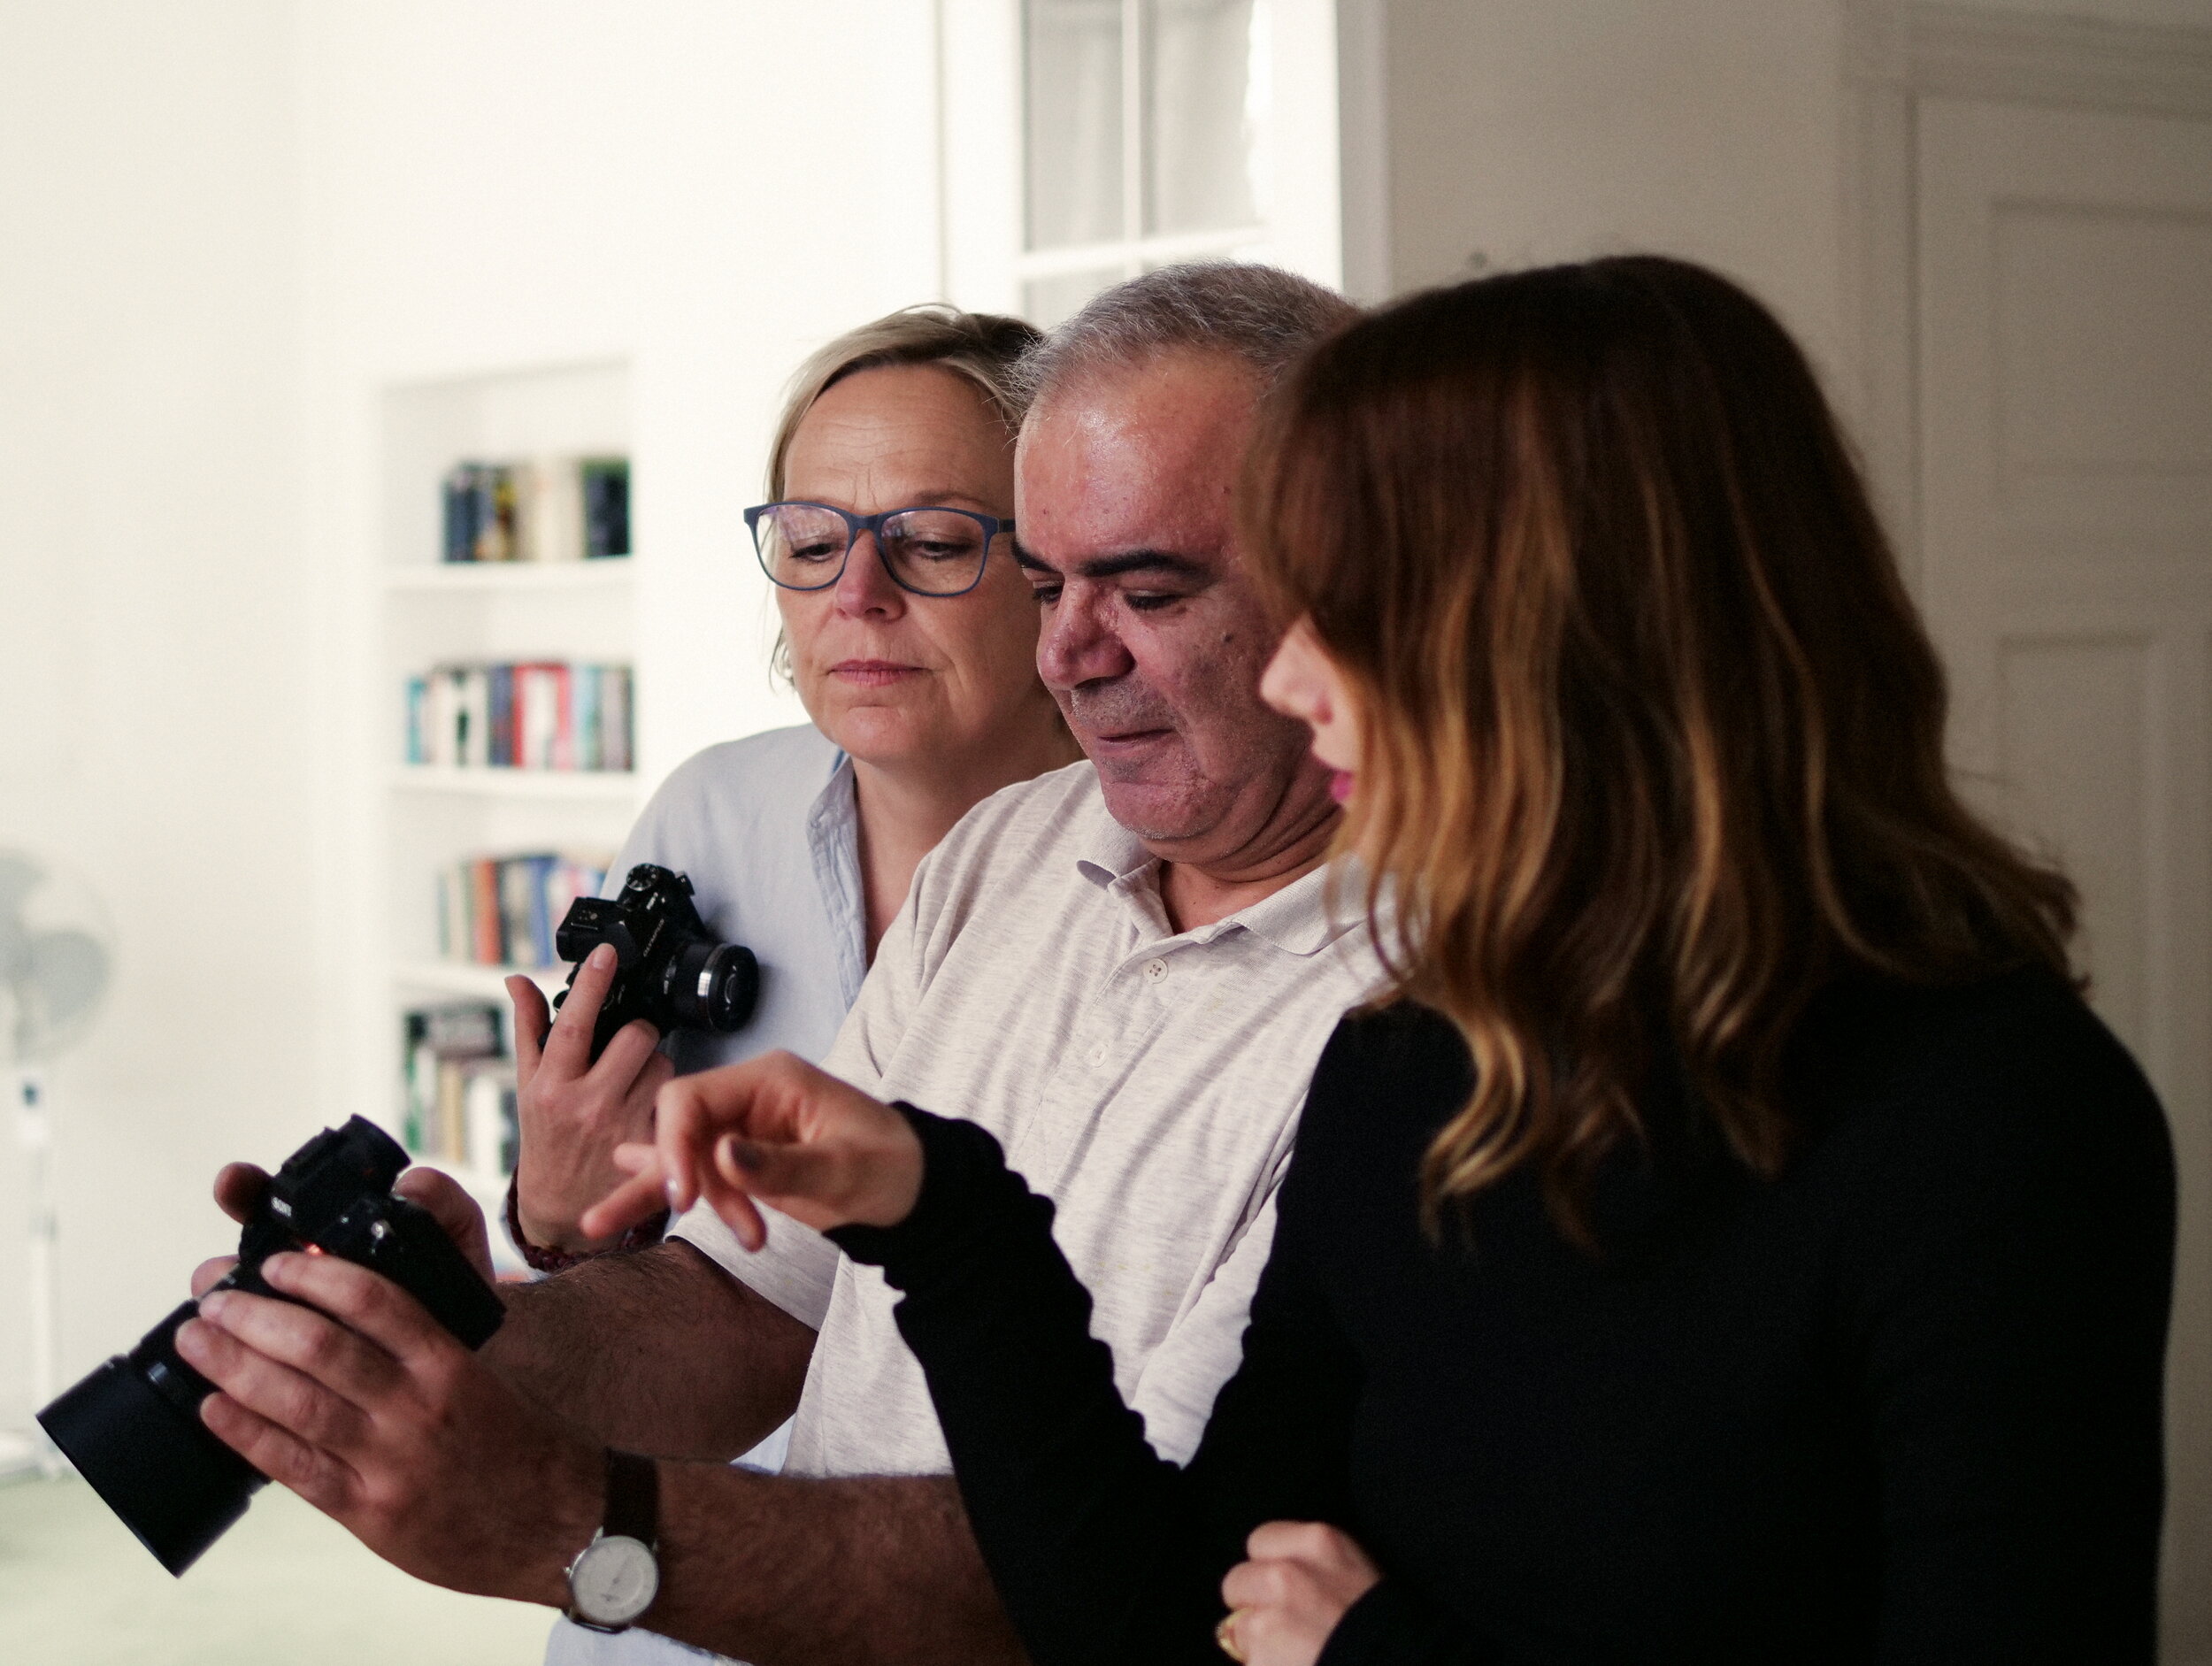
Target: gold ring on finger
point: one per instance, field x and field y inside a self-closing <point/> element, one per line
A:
<point x="1226" y="1635"/>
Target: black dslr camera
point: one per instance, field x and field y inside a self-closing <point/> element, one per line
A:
<point x="668" y="969"/>
<point x="132" y="1427"/>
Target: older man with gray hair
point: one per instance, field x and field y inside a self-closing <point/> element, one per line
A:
<point x="1125" y="970"/>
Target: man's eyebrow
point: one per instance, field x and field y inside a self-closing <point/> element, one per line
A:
<point x="1163" y="561"/>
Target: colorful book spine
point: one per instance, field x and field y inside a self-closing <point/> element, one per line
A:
<point x="605" y="485"/>
<point x="457" y="1087"/>
<point x="541" y="715"/>
<point x="507" y="910"/>
<point x="537" y="510"/>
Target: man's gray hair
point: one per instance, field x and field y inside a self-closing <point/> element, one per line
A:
<point x="1263" y="316"/>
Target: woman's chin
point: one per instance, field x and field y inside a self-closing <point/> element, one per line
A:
<point x="887" y="734"/>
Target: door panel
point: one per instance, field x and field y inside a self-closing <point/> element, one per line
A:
<point x="2072" y="730"/>
<point x="2065" y="308"/>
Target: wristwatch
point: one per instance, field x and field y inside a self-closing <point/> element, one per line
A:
<point x="615" y="1577"/>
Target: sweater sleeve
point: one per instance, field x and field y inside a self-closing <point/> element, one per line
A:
<point x="1102" y="1551"/>
<point x="1393" y="1626"/>
<point x="2011" y="1283"/>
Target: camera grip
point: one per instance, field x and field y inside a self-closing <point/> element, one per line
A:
<point x="416" y="1255"/>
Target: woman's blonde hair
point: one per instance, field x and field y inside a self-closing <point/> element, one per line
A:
<point x="985" y="347"/>
<point x="1653" y="737"/>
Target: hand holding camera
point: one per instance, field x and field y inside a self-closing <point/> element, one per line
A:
<point x="135" y="1428"/>
<point x="645" y="964"/>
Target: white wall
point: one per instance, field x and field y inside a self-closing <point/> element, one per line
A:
<point x="2194" y="14"/>
<point x="155" y="663"/>
<point x="1706" y="128"/>
<point x="229" y="225"/>
<point x="507" y="184"/>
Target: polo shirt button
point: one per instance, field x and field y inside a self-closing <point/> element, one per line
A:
<point x="1156" y="969"/>
<point x="1098" y="1054"/>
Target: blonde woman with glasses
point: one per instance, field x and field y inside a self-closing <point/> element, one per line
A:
<point x="911" y="639"/>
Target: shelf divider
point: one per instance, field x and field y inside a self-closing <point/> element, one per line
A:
<point x="599" y="786"/>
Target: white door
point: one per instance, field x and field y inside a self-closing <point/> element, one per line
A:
<point x="2065" y="363"/>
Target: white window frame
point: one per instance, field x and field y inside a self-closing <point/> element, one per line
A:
<point x="982" y="211"/>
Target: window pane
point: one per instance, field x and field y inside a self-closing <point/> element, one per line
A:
<point x="1073" y="118"/>
<point x="1206" y="106"/>
<point x="1046" y="301"/>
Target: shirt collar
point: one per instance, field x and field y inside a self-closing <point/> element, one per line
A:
<point x="1295" y="919"/>
<point x="835" y="808"/>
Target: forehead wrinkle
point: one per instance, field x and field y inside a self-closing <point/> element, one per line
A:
<point x="869" y="444"/>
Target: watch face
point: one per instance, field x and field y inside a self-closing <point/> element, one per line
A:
<point x="614" y="1580"/>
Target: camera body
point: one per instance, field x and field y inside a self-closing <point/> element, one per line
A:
<point x="132" y="1427"/>
<point x="669" y="968"/>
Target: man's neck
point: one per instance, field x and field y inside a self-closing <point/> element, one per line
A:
<point x="1199" y="893"/>
<point x="1194" y="898"/>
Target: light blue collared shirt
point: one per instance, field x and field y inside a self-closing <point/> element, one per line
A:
<point x="768" y="831"/>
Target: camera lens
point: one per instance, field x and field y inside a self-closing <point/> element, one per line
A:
<point x="132" y="1429"/>
<point x="713" y="985"/>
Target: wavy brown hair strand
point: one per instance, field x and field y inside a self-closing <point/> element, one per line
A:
<point x="1652" y="735"/>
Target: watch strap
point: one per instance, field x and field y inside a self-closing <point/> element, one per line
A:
<point x="633" y="1498"/>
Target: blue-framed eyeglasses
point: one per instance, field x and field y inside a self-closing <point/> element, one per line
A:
<point x="928" y="550"/>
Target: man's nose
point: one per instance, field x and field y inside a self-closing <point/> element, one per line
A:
<point x="1080" y="645"/>
<point x="864" y="588"/>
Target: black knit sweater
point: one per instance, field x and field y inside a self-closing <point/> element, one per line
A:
<point x="1901" y="1404"/>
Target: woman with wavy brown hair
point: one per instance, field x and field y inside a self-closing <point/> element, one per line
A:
<point x="1735" y="1240"/>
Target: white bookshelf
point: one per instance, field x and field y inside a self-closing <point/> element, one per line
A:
<point x="580" y="787"/>
<point x="467" y="981"/>
<point x="494" y="578"/>
<point x="431" y="612"/>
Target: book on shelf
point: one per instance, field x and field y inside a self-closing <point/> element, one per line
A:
<point x="460" y="1087"/>
<point x="505" y="910"/>
<point x="541" y="715"/>
<point x="538" y="510"/>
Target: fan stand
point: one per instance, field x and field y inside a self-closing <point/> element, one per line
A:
<point x="21" y="1453"/>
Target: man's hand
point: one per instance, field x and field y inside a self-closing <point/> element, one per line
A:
<point x="381" y="1420"/>
<point x="774" y="1128"/>
<point x="239" y="1187"/>
<point x="574" y="1112"/>
<point x="1286" y="1600"/>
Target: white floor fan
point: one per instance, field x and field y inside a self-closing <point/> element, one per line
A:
<point x="55" y="957"/>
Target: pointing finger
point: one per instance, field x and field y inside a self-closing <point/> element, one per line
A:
<point x="632" y="1202"/>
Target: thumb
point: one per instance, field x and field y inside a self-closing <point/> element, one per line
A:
<point x="454" y="1209"/>
<point x="238" y="1189"/>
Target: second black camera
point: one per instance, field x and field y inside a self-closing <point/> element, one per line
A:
<point x="669" y="968"/>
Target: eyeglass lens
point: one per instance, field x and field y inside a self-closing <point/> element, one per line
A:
<point x="935" y="551"/>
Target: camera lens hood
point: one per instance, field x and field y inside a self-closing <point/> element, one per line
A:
<point x="174" y="1485"/>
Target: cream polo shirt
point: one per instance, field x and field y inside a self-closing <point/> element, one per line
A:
<point x="1148" y="1080"/>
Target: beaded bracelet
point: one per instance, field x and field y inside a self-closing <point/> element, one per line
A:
<point x="644" y="1235"/>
